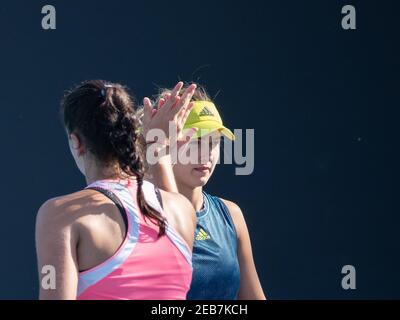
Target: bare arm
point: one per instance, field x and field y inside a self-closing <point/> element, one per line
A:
<point x="56" y="247"/>
<point x="161" y="173"/>
<point x="182" y="213"/>
<point x="250" y="286"/>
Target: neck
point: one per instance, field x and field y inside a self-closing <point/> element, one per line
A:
<point x="195" y="196"/>
<point x="96" y="173"/>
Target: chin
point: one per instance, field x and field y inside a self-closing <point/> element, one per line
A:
<point x="200" y="182"/>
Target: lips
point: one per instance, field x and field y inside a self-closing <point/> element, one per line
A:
<point x="202" y="168"/>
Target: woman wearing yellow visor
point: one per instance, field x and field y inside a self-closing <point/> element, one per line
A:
<point x="223" y="264"/>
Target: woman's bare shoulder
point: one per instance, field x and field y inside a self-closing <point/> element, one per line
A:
<point x="70" y="207"/>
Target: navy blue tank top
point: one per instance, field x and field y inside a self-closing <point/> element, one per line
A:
<point x="216" y="272"/>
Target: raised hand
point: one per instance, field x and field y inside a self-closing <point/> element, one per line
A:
<point x="174" y="108"/>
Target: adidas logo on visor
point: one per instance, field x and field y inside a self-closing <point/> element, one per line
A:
<point x="206" y="112"/>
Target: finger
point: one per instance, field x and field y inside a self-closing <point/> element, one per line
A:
<point x="171" y="101"/>
<point x="184" y="114"/>
<point x="165" y="96"/>
<point x="172" y="113"/>
<point x="188" y="94"/>
<point x="147" y="108"/>
<point x="161" y="102"/>
<point x="177" y="101"/>
<point x="186" y="98"/>
<point x="177" y="89"/>
<point x="181" y="117"/>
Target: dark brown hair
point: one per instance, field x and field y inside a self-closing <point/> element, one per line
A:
<point x="102" y="114"/>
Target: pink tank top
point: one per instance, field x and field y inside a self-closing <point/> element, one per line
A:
<point x="145" y="267"/>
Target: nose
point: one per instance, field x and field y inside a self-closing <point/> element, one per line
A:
<point x="205" y="154"/>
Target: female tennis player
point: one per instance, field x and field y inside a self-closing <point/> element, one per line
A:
<point x="223" y="264"/>
<point x="114" y="239"/>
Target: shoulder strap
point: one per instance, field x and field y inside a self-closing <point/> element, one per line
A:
<point x="117" y="202"/>
<point x="158" y="194"/>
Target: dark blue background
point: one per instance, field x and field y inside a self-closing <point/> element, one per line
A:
<point x="323" y="102"/>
